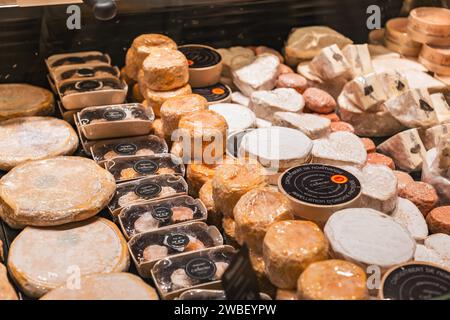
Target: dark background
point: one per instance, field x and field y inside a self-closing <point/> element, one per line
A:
<point x="29" y="35"/>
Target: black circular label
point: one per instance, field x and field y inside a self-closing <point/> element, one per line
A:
<point x="213" y="93"/>
<point x="416" y="282"/>
<point x="162" y="213"/>
<point x="125" y="148"/>
<point x="146" y="166"/>
<point x="88" y="85"/>
<point x="320" y="184"/>
<point x="148" y="190"/>
<point x="176" y="241"/>
<point x="114" y="115"/>
<point x="86" y="72"/>
<point x="200" y="269"/>
<point x="200" y="57"/>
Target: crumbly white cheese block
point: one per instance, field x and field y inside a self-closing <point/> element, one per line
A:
<point x="413" y="109"/>
<point x="261" y="123"/>
<point x="239" y="98"/>
<point x="432" y="175"/>
<point x="441" y="107"/>
<point x="436" y="249"/>
<point x="393" y="83"/>
<point x="41" y="259"/>
<point x="237" y="116"/>
<point x="379" y="187"/>
<point x="409" y="216"/>
<point x="273" y="147"/>
<point x="313" y="126"/>
<point x="339" y="148"/>
<point x="7" y="291"/>
<point x="369" y="237"/>
<point x="24" y="100"/>
<point x="105" y="286"/>
<point x="383" y="64"/>
<point x="330" y="63"/>
<point x="443" y="155"/>
<point x="406" y="149"/>
<point x="433" y="134"/>
<point x="421" y="80"/>
<point x="289" y="247"/>
<point x="231" y="53"/>
<point x="358" y="57"/>
<point x="261" y="74"/>
<point x="366" y="92"/>
<point x="255" y="212"/>
<point x="265" y="103"/>
<point x="304" y="70"/>
<point x="54" y="191"/>
<point x="34" y="138"/>
<point x="368" y="124"/>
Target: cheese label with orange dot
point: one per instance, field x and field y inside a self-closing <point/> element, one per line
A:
<point x="200" y="56"/>
<point x="215" y="93"/>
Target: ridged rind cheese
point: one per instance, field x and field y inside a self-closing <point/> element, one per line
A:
<point x="105" y="286"/>
<point x="155" y="99"/>
<point x="42" y="259"/>
<point x="54" y="191"/>
<point x="34" y="138"/>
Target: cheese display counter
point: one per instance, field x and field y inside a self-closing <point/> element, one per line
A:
<point x="161" y="150"/>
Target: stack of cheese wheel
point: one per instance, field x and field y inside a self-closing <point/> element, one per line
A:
<point x="436" y="59"/>
<point x="396" y="38"/>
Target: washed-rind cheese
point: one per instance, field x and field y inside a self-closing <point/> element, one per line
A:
<point x="272" y="147"/>
<point x="333" y="280"/>
<point x="174" y="108"/>
<point x="42" y="259"/>
<point x="105" y="286"/>
<point x="379" y="187"/>
<point x="358" y="57"/>
<point x="6" y="289"/>
<point x="24" y="100"/>
<point x="406" y="149"/>
<point x="54" y="191"/>
<point x="312" y="125"/>
<point x="261" y="74"/>
<point x="255" y="212"/>
<point x="441" y="107"/>
<point x="432" y="175"/>
<point x="366" y="92"/>
<point x="232" y="181"/>
<point x="155" y="99"/>
<point x="409" y="216"/>
<point x="330" y="63"/>
<point x="339" y="148"/>
<point x="433" y="134"/>
<point x="413" y="109"/>
<point x="289" y="247"/>
<point x="265" y="103"/>
<point x="369" y="124"/>
<point x="165" y="69"/>
<point x="369" y="237"/>
<point x="237" y="116"/>
<point x="34" y="138"/>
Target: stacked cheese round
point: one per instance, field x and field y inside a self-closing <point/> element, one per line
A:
<point x="430" y="25"/>
<point x="396" y="38"/>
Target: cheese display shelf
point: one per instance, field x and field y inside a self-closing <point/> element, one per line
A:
<point x="217" y="152"/>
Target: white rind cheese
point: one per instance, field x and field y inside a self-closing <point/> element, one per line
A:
<point x="409" y="216"/>
<point x="237" y="116"/>
<point x="330" y="63"/>
<point x="406" y="149"/>
<point x="441" y="107"/>
<point x="436" y="249"/>
<point x="265" y="103"/>
<point x="366" y="92"/>
<point x="369" y="237"/>
<point x="433" y="134"/>
<point x="239" y="98"/>
<point x="383" y="64"/>
<point x="313" y="126"/>
<point x="432" y="175"/>
<point x="358" y="57"/>
<point x="261" y="123"/>
<point x="421" y="80"/>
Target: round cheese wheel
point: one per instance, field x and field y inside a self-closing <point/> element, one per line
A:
<point x="174" y="108"/>
<point x="409" y="216"/>
<point x="41" y="259"/>
<point x="238" y="117"/>
<point x="332" y="280"/>
<point x="205" y="196"/>
<point x="34" y="138"/>
<point x="369" y="237"/>
<point x="6" y="289"/>
<point x="289" y="247"/>
<point x="232" y="181"/>
<point x="255" y="212"/>
<point x="141" y="48"/>
<point x="165" y="69"/>
<point x="155" y="99"/>
<point x="20" y="100"/>
<point x="54" y="191"/>
<point x="229" y="231"/>
<point x="105" y="286"/>
<point x="283" y="294"/>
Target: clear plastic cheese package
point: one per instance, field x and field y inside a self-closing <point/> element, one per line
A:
<point x="115" y="121"/>
<point x="152" y="215"/>
<point x="196" y="270"/>
<point x="75" y="59"/>
<point x="206" y="294"/>
<point x="149" y="247"/>
<point x="78" y="94"/>
<point x="137" y="146"/>
<point x="135" y="167"/>
<point x="150" y="188"/>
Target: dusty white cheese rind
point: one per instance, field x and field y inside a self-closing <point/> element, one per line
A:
<point x="441" y="107"/>
<point x="432" y="175"/>
<point x="313" y="126"/>
<point x="330" y="63"/>
<point x="237" y="116"/>
<point x="358" y="57"/>
<point x="366" y="92"/>
<point x="408" y="215"/>
<point x="433" y="134"/>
